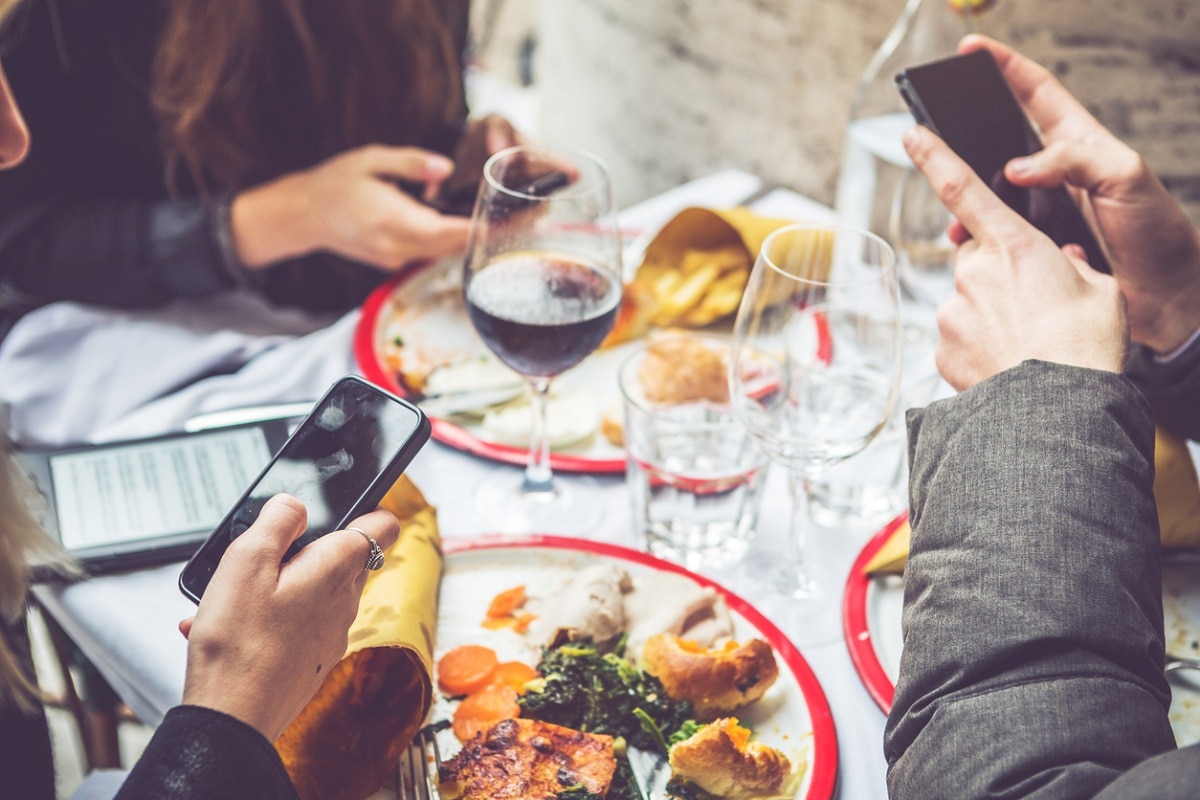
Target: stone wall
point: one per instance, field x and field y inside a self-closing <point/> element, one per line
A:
<point x="668" y="90"/>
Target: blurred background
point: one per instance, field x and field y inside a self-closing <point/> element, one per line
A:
<point x="672" y="90"/>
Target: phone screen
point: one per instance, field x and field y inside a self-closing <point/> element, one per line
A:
<point x="339" y="463"/>
<point x="967" y="101"/>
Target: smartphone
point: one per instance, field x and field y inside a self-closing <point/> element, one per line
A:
<point x="340" y="462"/>
<point x="967" y="101"/>
<point x="460" y="201"/>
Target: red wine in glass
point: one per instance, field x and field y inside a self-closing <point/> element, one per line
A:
<point x="542" y="313"/>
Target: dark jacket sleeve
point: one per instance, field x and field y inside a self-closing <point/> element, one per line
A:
<point x="1172" y="388"/>
<point x="86" y="216"/>
<point x="200" y="753"/>
<point x="1033" y="632"/>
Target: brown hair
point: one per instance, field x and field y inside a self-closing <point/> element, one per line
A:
<point x="246" y="90"/>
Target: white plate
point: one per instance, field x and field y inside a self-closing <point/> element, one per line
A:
<point x="793" y="716"/>
<point x="424" y="308"/>
<point x="872" y="621"/>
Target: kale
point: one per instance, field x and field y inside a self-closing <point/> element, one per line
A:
<point x="577" y="792"/>
<point x="685" y="732"/>
<point x="596" y="692"/>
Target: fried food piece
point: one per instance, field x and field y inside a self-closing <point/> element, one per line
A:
<point x="523" y="759"/>
<point x="716" y="680"/>
<point x="680" y="369"/>
<point x="633" y="315"/>
<point x="721" y="760"/>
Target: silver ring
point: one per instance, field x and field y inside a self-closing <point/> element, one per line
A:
<point x="375" y="559"/>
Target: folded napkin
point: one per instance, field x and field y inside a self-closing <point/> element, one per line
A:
<point x="1176" y="492"/>
<point x="694" y="270"/>
<point x="348" y="739"/>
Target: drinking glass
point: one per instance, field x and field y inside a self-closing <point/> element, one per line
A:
<point x="542" y="284"/>
<point x="816" y="364"/>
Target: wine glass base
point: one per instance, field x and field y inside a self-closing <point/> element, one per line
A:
<point x="502" y="506"/>
<point x="808" y="612"/>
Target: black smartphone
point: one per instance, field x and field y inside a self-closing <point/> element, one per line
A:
<point x="460" y="200"/>
<point x="340" y="461"/>
<point x="967" y="101"/>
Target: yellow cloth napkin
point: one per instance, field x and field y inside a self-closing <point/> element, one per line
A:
<point x="348" y="739"/>
<point x="694" y="271"/>
<point x="1176" y="492"/>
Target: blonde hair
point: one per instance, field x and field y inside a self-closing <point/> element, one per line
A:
<point x="23" y="543"/>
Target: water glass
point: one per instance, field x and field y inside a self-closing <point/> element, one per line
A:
<point x="695" y="474"/>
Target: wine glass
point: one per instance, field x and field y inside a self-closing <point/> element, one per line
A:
<point x="816" y="365"/>
<point x="917" y="229"/>
<point x="542" y="285"/>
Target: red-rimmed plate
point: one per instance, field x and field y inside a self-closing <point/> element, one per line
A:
<point x="793" y="716"/>
<point x="873" y="606"/>
<point x="424" y="308"/>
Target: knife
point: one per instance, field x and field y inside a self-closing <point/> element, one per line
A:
<point x="651" y="772"/>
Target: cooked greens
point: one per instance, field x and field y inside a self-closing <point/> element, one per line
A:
<point x="600" y="692"/>
<point x="596" y="692"/>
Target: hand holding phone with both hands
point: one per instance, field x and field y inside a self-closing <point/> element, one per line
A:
<point x="1153" y="248"/>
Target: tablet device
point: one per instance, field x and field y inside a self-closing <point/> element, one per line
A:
<point x="129" y="504"/>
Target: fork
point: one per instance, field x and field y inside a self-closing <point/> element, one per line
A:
<point x="415" y="781"/>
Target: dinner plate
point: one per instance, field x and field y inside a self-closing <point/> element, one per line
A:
<point x="423" y="310"/>
<point x="794" y="716"/>
<point x="871" y="615"/>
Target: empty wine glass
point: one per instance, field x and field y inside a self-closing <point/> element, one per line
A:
<point x="542" y="284"/>
<point x="917" y="230"/>
<point x="816" y="363"/>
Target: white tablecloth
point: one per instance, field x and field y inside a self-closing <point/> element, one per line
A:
<point x="116" y="375"/>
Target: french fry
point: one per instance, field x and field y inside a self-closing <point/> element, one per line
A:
<point x="685" y="294"/>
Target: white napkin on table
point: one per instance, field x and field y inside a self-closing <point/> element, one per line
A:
<point x="74" y="373"/>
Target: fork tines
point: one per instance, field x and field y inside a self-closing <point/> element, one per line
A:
<point x="417" y="779"/>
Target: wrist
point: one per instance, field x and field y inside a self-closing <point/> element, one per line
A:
<point x="252" y="710"/>
<point x="268" y="223"/>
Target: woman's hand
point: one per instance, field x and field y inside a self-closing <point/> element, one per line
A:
<point x="480" y="139"/>
<point x="351" y="205"/>
<point x="1018" y="296"/>
<point x="265" y="635"/>
<point x="1153" y="247"/>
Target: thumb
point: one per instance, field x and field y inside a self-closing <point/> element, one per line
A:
<point x="1085" y="165"/>
<point x="410" y="163"/>
<point x="282" y="520"/>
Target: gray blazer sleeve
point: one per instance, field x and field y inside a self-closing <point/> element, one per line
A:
<point x="1033" y="644"/>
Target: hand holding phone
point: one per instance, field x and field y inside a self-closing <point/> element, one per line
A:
<point x="339" y="463"/>
<point x="967" y="101"/>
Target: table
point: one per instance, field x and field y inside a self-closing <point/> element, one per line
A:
<point x="126" y="624"/>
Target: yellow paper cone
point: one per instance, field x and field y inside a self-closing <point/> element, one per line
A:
<point x="347" y="740"/>
<point x="1176" y="492"/>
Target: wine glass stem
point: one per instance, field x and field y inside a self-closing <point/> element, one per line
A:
<point x="539" y="479"/>
<point x="799" y="579"/>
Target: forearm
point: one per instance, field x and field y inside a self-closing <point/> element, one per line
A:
<point x="197" y="752"/>
<point x="109" y="252"/>
<point x="1032" y="661"/>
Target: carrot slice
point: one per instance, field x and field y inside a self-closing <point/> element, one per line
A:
<point x="514" y="674"/>
<point x="480" y="710"/>
<point x="466" y="669"/>
<point x="508" y="601"/>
